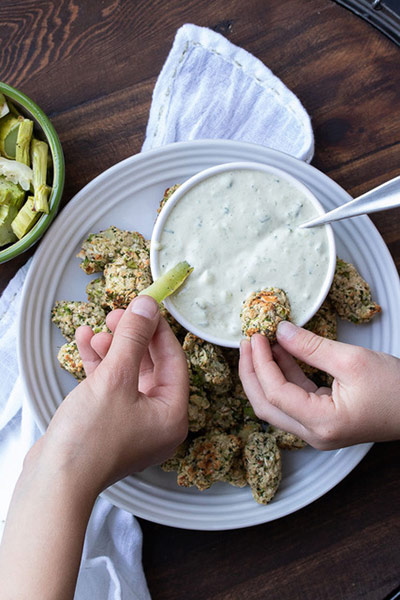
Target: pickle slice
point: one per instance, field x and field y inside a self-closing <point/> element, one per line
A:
<point x="169" y="282"/>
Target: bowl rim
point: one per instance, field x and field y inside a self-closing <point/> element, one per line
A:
<point x="58" y="173"/>
<point x="196" y="179"/>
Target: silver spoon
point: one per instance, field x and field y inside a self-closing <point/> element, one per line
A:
<point x="383" y="197"/>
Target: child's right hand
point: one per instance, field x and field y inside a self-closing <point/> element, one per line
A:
<point x="362" y="406"/>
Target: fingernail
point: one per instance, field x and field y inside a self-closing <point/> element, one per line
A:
<point x="286" y="330"/>
<point x="242" y="343"/>
<point x="144" y="306"/>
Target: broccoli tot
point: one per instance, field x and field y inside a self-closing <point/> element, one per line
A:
<point x="262" y="312"/>
<point x="102" y="248"/>
<point x="96" y="290"/>
<point x="351" y="295"/>
<point x="236" y="475"/>
<point x="262" y="459"/>
<point x="208" y="364"/>
<point x="208" y="459"/>
<point x="68" y="315"/>
<point x="39" y="153"/>
<point x="126" y="276"/>
<point x="70" y="360"/>
<point x="198" y="403"/>
<point x="197" y="409"/>
<point x="173" y="463"/>
<point x="286" y="440"/>
<point x="225" y="412"/>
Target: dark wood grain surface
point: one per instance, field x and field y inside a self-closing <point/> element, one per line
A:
<point x="92" y="67"/>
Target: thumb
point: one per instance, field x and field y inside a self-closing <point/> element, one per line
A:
<point x="133" y="334"/>
<point x="322" y="353"/>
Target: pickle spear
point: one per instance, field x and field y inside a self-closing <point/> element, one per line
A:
<point x="23" y="142"/>
<point x="25" y="219"/>
<point x="169" y="282"/>
<point x="39" y="153"/>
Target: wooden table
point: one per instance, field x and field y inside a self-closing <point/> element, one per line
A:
<point x="92" y="67"/>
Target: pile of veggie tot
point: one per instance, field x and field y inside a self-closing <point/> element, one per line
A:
<point x="24" y="161"/>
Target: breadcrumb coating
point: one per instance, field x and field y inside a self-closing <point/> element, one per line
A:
<point x="225" y="412"/>
<point x="286" y="440"/>
<point x="263" y="310"/>
<point x="197" y="408"/>
<point x="101" y="248"/>
<point x="263" y="462"/>
<point x="68" y="315"/>
<point x="237" y="475"/>
<point x="208" y="460"/>
<point x="70" y="360"/>
<point x="351" y="295"/>
<point x="208" y="363"/>
<point x="247" y="428"/>
<point x="126" y="276"/>
<point x="173" y="463"/>
<point x="96" y="292"/>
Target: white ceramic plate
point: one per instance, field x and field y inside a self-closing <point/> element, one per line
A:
<point x="127" y="195"/>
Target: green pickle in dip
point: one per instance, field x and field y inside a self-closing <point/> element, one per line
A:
<point x="239" y="229"/>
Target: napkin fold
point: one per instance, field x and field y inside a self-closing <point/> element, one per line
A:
<point x="208" y="88"/>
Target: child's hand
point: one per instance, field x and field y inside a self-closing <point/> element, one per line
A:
<point x="363" y="404"/>
<point x="131" y="411"/>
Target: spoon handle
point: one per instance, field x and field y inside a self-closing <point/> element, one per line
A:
<point x="383" y="197"/>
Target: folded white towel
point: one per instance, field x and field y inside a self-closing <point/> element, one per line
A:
<point x="208" y="88"/>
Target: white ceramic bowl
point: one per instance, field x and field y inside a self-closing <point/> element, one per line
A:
<point x="171" y="205"/>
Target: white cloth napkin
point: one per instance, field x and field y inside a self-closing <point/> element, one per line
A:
<point x="208" y="88"/>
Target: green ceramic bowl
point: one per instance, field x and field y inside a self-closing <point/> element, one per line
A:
<point x="43" y="130"/>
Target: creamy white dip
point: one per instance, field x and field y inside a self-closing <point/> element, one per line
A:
<point x="239" y="230"/>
